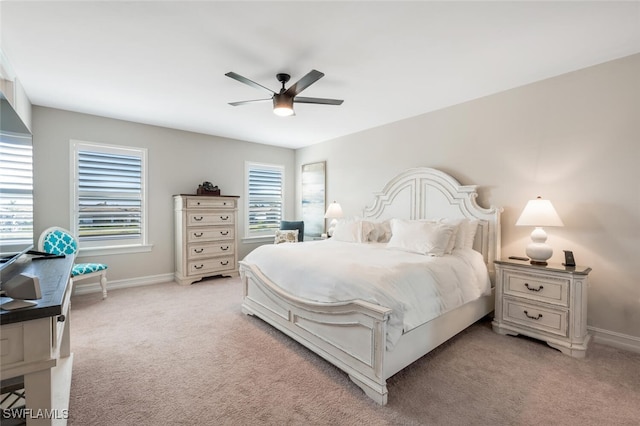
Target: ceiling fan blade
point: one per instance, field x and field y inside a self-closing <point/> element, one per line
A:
<point x="248" y="82"/>
<point x="323" y="101"/>
<point x="304" y="82"/>
<point x="249" y="102"/>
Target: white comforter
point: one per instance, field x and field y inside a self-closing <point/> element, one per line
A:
<point x="417" y="288"/>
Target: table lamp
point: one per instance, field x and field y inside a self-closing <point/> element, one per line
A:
<point x="539" y="213"/>
<point x="333" y="212"/>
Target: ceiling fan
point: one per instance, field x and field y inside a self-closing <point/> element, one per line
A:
<point x="283" y="100"/>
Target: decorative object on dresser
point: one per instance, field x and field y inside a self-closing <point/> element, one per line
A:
<point x="539" y="213"/>
<point x="544" y="302"/>
<point x="207" y="188"/>
<point x="205" y="237"/>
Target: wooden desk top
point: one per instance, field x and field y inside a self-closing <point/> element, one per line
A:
<point x="53" y="275"/>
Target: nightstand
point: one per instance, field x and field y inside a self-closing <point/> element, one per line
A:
<point x="548" y="303"/>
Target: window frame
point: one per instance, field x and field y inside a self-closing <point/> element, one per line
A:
<point x="249" y="166"/>
<point x="22" y="189"/>
<point x="109" y="246"/>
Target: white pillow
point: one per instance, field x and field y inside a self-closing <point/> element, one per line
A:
<point x="286" y="236"/>
<point x="470" y="235"/>
<point x="417" y="236"/>
<point x="459" y="235"/>
<point x="380" y="231"/>
<point x="352" y="230"/>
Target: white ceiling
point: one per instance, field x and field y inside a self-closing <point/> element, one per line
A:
<point x="163" y="63"/>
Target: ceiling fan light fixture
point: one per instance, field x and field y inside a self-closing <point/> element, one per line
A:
<point x="282" y="105"/>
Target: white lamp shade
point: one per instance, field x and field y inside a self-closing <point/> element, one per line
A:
<point x="334" y="211"/>
<point x="539" y="212"/>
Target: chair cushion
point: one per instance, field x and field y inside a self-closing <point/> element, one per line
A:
<point x="87" y="268"/>
<point x="58" y="242"/>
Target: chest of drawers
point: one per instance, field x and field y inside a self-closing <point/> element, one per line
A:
<point x="205" y="237"/>
<point x="544" y="302"/>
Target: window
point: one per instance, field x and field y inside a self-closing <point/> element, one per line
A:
<point x="109" y="203"/>
<point x="264" y="199"/>
<point x="16" y="190"/>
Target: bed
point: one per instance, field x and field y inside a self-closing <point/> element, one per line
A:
<point x="360" y="336"/>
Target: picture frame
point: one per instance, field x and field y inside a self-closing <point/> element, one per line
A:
<point x="313" y="198"/>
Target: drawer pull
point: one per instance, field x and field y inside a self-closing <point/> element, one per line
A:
<point x="198" y="234"/>
<point x="224" y="232"/>
<point x="61" y="318"/>
<point x="224" y="248"/>
<point x="198" y="250"/>
<point x="198" y="203"/>
<point x="532" y="317"/>
<point x="198" y="267"/>
<point x="532" y="288"/>
<point x="224" y="217"/>
<point x="225" y="263"/>
<point x="198" y="219"/>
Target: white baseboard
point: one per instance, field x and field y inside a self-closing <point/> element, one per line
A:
<point x="94" y="287"/>
<point x="614" y="339"/>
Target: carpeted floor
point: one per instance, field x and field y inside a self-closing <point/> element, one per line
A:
<point x="172" y="355"/>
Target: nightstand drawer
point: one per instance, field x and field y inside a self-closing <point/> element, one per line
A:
<point x="536" y="317"/>
<point x="536" y="287"/>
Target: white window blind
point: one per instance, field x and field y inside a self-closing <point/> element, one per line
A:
<point x="16" y="190"/>
<point x="110" y="196"/>
<point x="265" y="185"/>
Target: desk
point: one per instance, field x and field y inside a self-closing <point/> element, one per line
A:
<point x="34" y="343"/>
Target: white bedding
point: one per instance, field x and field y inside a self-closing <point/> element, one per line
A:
<point x="416" y="287"/>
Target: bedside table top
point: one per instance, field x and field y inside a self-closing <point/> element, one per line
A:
<point x="552" y="267"/>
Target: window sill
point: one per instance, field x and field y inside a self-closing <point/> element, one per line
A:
<point x="124" y="249"/>
<point x="260" y="239"/>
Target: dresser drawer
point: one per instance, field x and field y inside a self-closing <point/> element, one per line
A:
<point x="210" y="234"/>
<point x="204" y="202"/>
<point x="199" y="267"/>
<point x="536" y="317"/>
<point x="540" y="288"/>
<point x="197" y="251"/>
<point x="199" y="218"/>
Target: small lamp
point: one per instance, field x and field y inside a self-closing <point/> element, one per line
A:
<point x="333" y="212"/>
<point x="539" y="213"/>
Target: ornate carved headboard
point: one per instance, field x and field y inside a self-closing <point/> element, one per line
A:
<point x="426" y="193"/>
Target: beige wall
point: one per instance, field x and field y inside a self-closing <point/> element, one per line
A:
<point x="177" y="162"/>
<point x="574" y="139"/>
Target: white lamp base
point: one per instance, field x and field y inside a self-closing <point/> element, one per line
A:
<point x="537" y="250"/>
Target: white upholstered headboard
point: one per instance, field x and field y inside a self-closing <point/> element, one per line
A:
<point x="425" y="193"/>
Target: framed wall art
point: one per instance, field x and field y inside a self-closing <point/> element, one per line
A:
<point x="313" y="198"/>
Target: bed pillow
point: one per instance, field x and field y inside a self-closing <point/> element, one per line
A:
<point x="417" y="236"/>
<point x="380" y="232"/>
<point x="459" y="236"/>
<point x="286" y="236"/>
<point x="470" y="234"/>
<point x="352" y="230"/>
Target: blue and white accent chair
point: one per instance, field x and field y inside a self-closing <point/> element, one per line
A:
<point x="56" y="240"/>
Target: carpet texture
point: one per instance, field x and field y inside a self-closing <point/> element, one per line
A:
<point x="173" y="355"/>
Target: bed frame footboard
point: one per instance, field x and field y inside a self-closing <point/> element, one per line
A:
<point x="350" y="335"/>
